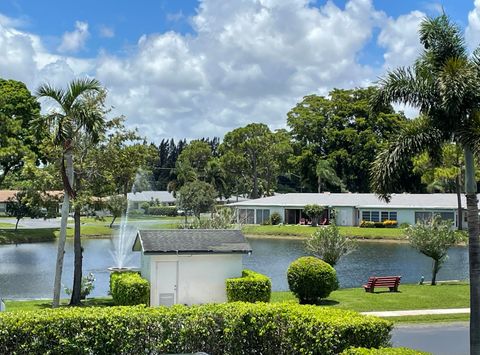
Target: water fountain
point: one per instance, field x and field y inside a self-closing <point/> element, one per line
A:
<point x="123" y="241"/>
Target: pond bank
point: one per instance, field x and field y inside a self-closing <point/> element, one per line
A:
<point x="302" y="232"/>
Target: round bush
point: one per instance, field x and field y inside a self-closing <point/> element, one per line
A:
<point x="275" y="218"/>
<point x="311" y="279"/>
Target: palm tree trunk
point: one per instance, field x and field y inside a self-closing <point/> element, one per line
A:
<point x="459" y="203"/>
<point x="77" y="271"/>
<point x="473" y="251"/>
<point x="63" y="230"/>
<point x="436" y="267"/>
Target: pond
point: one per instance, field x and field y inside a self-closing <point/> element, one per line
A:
<point x="27" y="270"/>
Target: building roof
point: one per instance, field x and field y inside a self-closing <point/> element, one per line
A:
<point x="147" y="196"/>
<point x="358" y="200"/>
<point x="191" y="241"/>
<point x="6" y="195"/>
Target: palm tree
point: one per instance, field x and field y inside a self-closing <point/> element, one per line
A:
<point x="444" y="84"/>
<point x="67" y="122"/>
<point x="326" y="174"/>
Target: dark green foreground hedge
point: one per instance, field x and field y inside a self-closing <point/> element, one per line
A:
<point x="229" y="328"/>
<point x="251" y="287"/>
<point x="383" y="351"/>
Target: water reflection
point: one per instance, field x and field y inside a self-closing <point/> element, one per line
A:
<point x="27" y="270"/>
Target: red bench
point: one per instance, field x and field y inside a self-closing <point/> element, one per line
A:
<point x="392" y="282"/>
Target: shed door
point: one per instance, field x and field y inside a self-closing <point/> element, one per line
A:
<point x="166" y="282"/>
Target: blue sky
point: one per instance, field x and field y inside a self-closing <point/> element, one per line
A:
<point x="195" y="68"/>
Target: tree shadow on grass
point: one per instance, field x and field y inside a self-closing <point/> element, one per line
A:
<point x="327" y="303"/>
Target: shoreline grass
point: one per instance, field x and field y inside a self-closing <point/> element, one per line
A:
<point x="306" y="231"/>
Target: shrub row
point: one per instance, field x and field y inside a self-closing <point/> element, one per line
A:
<point x="385" y="224"/>
<point x="129" y="288"/>
<point x="229" y="328"/>
<point x="383" y="351"/>
<point x="169" y="211"/>
<point x="251" y="287"/>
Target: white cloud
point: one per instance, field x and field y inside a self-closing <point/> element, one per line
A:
<point x="400" y="39"/>
<point x="472" y="32"/>
<point x="74" y="41"/>
<point x="247" y="61"/>
<point x="106" y="31"/>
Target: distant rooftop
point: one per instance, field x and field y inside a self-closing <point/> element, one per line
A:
<point x="146" y="196"/>
<point x="191" y="241"/>
<point x="359" y="200"/>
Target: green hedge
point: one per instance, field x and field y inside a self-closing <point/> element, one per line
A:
<point x="383" y="351"/>
<point x="251" y="287"/>
<point x="228" y="328"/>
<point x="169" y="211"/>
<point x="129" y="289"/>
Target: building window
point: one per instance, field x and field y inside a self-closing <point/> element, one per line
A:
<point x="366" y="215"/>
<point x="246" y="216"/>
<point x="262" y="216"/>
<point x="423" y="216"/>
<point x="379" y="216"/>
<point x="446" y="216"/>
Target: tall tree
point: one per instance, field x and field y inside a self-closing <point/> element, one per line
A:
<point x="342" y="129"/>
<point x="251" y="157"/>
<point x="18" y="136"/>
<point x="444" y="83"/>
<point x="66" y="121"/>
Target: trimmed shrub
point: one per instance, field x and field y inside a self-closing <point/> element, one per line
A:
<point x="311" y="279"/>
<point x="251" y="287"/>
<point x="367" y="224"/>
<point x="390" y="223"/>
<point x="275" y="218"/>
<point x="382" y="351"/>
<point x="228" y="328"/>
<point x="129" y="288"/>
<point x="169" y="211"/>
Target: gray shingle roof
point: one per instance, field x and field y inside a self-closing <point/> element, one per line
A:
<point x="188" y="241"/>
<point x="359" y="200"/>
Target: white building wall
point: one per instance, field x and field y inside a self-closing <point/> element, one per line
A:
<point x="344" y="216"/>
<point x="200" y="279"/>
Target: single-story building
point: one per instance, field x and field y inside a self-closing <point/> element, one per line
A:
<point x="352" y="208"/>
<point x="9" y="195"/>
<point x="190" y="266"/>
<point x="163" y="198"/>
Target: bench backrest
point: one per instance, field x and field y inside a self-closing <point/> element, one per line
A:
<point x="386" y="280"/>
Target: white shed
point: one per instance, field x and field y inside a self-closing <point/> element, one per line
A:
<point x="190" y="266"/>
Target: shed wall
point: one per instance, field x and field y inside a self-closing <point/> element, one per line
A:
<point x="200" y="279"/>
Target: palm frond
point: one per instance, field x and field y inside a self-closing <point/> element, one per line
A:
<point x="405" y="87"/>
<point x="392" y="161"/>
<point x="442" y="40"/>
<point x="49" y="91"/>
<point x="79" y="87"/>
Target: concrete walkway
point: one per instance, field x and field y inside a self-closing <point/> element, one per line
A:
<point x="418" y="312"/>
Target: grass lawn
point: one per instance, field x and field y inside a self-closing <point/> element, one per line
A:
<point x="35" y="305"/>
<point x="438" y="318"/>
<point x="306" y="231"/>
<point x="447" y="295"/>
<point x="6" y="225"/>
<point x="9" y="236"/>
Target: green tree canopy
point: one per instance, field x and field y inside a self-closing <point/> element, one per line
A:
<point x="196" y="197"/>
<point x="19" y="138"/>
<point x="251" y="157"/>
<point x="342" y="129"/>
